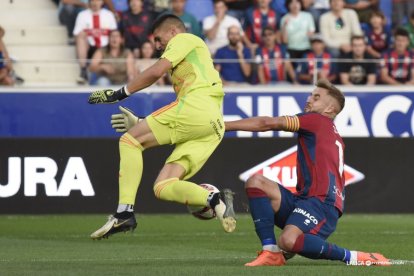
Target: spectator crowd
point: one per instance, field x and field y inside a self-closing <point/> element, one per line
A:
<point x="349" y="42"/>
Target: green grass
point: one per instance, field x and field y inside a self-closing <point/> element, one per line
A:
<point x="183" y="245"/>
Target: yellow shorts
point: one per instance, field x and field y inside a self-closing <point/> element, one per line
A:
<point x="194" y="123"/>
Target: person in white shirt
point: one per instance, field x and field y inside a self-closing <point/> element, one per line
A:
<point x="297" y="27"/>
<point x="91" y="30"/>
<point x="215" y="27"/>
<point x="338" y="26"/>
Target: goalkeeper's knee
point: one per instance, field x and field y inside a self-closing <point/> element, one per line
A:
<point x="159" y="186"/>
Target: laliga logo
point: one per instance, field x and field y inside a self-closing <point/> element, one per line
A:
<point x="282" y="169"/>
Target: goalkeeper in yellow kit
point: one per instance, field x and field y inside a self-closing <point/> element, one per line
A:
<point x="194" y="123"/>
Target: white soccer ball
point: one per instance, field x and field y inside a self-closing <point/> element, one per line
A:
<point x="204" y="212"/>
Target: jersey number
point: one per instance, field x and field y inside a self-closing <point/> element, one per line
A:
<point x="341" y="157"/>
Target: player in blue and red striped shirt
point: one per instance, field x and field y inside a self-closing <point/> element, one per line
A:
<point x="309" y="216"/>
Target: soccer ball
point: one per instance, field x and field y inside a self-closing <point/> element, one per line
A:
<point x="204" y="212"/>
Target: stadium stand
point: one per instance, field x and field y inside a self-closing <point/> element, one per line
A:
<point x="38" y="43"/>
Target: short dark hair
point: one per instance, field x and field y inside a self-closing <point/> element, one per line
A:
<point x="268" y="28"/>
<point x="287" y="3"/>
<point x="168" y="19"/>
<point x="333" y="91"/>
<point x="402" y="32"/>
<point x="357" y="37"/>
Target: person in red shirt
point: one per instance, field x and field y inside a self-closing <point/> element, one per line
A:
<point x="309" y="216"/>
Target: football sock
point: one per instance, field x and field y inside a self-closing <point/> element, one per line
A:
<point x="263" y="218"/>
<point x="181" y="191"/>
<point x="130" y="168"/>
<point x="314" y="247"/>
<point x="125" y="208"/>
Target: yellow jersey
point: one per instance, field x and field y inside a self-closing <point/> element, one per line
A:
<point x="192" y="65"/>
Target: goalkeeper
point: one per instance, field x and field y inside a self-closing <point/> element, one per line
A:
<point x="193" y="122"/>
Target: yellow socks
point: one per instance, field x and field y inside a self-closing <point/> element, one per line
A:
<point x="130" y="168"/>
<point x="181" y="191"/>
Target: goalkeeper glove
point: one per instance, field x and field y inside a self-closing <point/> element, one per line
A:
<point x="107" y="96"/>
<point x="122" y="122"/>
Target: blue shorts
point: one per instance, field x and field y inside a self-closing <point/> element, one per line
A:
<point x="308" y="214"/>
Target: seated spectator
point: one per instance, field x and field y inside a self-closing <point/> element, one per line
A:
<point x="297" y="27"/>
<point x="136" y="26"/>
<point x="401" y="10"/>
<point x="363" y="8"/>
<point x="148" y="58"/>
<point x="92" y="29"/>
<point x="239" y="71"/>
<point x="190" y="22"/>
<point x="410" y="29"/>
<point x="257" y="18"/>
<point x="68" y="10"/>
<point x="318" y="61"/>
<point x="356" y="69"/>
<point x="318" y="8"/>
<point x="397" y="64"/>
<point x="6" y="67"/>
<point x="272" y="57"/>
<point x="113" y="64"/>
<point x="215" y="27"/>
<point x="338" y="26"/>
<point x="378" y="35"/>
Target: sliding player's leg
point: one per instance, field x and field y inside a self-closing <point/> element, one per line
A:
<point x="267" y="198"/>
<point x="307" y="229"/>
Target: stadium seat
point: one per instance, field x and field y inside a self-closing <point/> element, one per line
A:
<point x="38" y="43"/>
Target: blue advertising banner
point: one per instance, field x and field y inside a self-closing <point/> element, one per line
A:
<point x="369" y="111"/>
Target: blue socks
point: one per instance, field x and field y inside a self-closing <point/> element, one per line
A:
<point x="263" y="217"/>
<point x="314" y="247"/>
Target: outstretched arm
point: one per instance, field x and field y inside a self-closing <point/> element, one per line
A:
<point x="257" y="124"/>
<point x="143" y="80"/>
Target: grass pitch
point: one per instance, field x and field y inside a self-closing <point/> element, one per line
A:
<point x="183" y="245"/>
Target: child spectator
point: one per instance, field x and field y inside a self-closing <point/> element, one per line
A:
<point x="113" y="64"/>
<point x="319" y="60"/>
<point x="358" y="71"/>
<point x="136" y="26"/>
<point x="378" y="34"/>
<point x="92" y="29"/>
<point x="239" y="71"/>
<point x="397" y="64"/>
<point x="273" y="60"/>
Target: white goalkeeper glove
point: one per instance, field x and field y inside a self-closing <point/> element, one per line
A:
<point x="123" y="121"/>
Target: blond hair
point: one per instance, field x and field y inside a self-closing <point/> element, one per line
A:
<point x="333" y="91"/>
